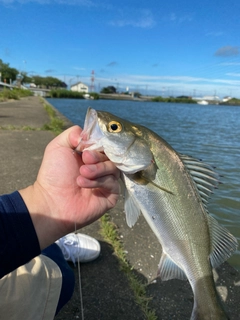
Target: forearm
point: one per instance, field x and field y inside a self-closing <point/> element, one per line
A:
<point x="18" y="239"/>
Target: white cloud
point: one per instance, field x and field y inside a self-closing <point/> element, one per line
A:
<point x="233" y="74"/>
<point x="173" y="17"/>
<point x="138" y="19"/>
<point x="215" y="34"/>
<point x="229" y="64"/>
<point x="175" y="84"/>
<point x="181" y="80"/>
<point x="79" y="68"/>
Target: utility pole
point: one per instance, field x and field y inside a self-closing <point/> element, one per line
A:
<point x="92" y="81"/>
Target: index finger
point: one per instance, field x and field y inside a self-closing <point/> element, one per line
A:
<point x="93" y="157"/>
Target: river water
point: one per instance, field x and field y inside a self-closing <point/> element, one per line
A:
<point x="210" y="133"/>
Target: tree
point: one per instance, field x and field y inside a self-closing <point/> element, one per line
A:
<point x="7" y="74"/>
<point x="10" y="74"/>
<point x="26" y="78"/>
<point x="109" y="89"/>
<point x="48" y="82"/>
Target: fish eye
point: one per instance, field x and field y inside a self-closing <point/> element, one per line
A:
<point x="114" y="126"/>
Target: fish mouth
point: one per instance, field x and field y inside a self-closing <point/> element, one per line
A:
<point x="90" y="137"/>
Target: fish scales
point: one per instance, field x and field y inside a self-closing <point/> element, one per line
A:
<point x="172" y="198"/>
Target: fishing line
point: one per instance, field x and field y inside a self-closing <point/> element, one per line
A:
<point x="79" y="278"/>
<point x="78" y="262"/>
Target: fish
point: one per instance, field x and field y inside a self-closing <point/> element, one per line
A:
<point x="171" y="190"/>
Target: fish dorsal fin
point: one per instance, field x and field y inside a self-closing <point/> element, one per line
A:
<point x="131" y="208"/>
<point x="204" y="176"/>
<point x="167" y="269"/>
<point x="223" y="242"/>
<point x="206" y="179"/>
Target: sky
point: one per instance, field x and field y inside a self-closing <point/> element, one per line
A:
<point x="155" y="47"/>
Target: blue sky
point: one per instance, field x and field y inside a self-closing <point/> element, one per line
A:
<point x="158" y="47"/>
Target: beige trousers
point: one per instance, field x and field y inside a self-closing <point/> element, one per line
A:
<point x="31" y="292"/>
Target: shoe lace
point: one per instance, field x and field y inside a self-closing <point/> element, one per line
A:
<point x="70" y="248"/>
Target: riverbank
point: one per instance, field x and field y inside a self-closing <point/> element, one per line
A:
<point x="107" y="293"/>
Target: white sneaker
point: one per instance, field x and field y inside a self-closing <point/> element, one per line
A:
<point x="79" y="247"/>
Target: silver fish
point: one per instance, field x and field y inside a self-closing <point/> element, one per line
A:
<point x="171" y="190"/>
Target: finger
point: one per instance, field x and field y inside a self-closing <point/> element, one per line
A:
<point x="91" y="157"/>
<point x="100" y="169"/>
<point x="109" y="183"/>
<point x="70" y="137"/>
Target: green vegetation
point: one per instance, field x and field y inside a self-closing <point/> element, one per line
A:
<point x="94" y="95"/>
<point x="47" y="82"/>
<point x="15" y="94"/>
<point x="175" y="100"/>
<point x="64" y="93"/>
<point x="7" y="73"/>
<point x="109" y="89"/>
<point x="23" y="128"/>
<point x="56" y="124"/>
<point x="110" y="234"/>
<point x="232" y="102"/>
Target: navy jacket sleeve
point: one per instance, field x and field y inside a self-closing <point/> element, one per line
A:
<point x="18" y="239"/>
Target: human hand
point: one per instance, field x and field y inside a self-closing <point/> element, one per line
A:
<point x="70" y="188"/>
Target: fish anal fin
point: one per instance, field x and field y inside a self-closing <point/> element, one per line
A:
<point x="224" y="244"/>
<point x="167" y="269"/>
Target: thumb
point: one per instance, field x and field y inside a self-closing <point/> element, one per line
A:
<point x="70" y="137"/>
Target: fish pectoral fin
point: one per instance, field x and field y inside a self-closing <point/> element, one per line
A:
<point x="161" y="188"/>
<point x="131" y="209"/>
<point x="224" y="244"/>
<point x="167" y="269"/>
<point x="139" y="178"/>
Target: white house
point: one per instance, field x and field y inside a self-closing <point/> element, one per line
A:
<point x="79" y="87"/>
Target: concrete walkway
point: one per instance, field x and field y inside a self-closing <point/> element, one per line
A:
<point x="105" y="288"/>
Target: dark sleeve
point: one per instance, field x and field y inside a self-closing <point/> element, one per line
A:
<point x="18" y="239"/>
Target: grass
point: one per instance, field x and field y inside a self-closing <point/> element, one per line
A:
<point x="56" y="124"/>
<point x="174" y="100"/>
<point x="110" y="234"/>
<point x="14" y="94"/>
<point x="64" y="93"/>
<point x="23" y="128"/>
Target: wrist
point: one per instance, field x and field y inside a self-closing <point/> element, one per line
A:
<point x="47" y="227"/>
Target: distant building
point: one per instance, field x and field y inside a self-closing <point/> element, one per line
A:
<point x="79" y="87"/>
<point x="210" y="98"/>
<point x="225" y="99"/>
<point x="38" y="92"/>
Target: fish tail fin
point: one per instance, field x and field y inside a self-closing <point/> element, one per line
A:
<point x="207" y="303"/>
<point x="206" y="313"/>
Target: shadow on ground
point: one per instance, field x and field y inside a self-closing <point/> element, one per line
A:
<point x="108" y="296"/>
